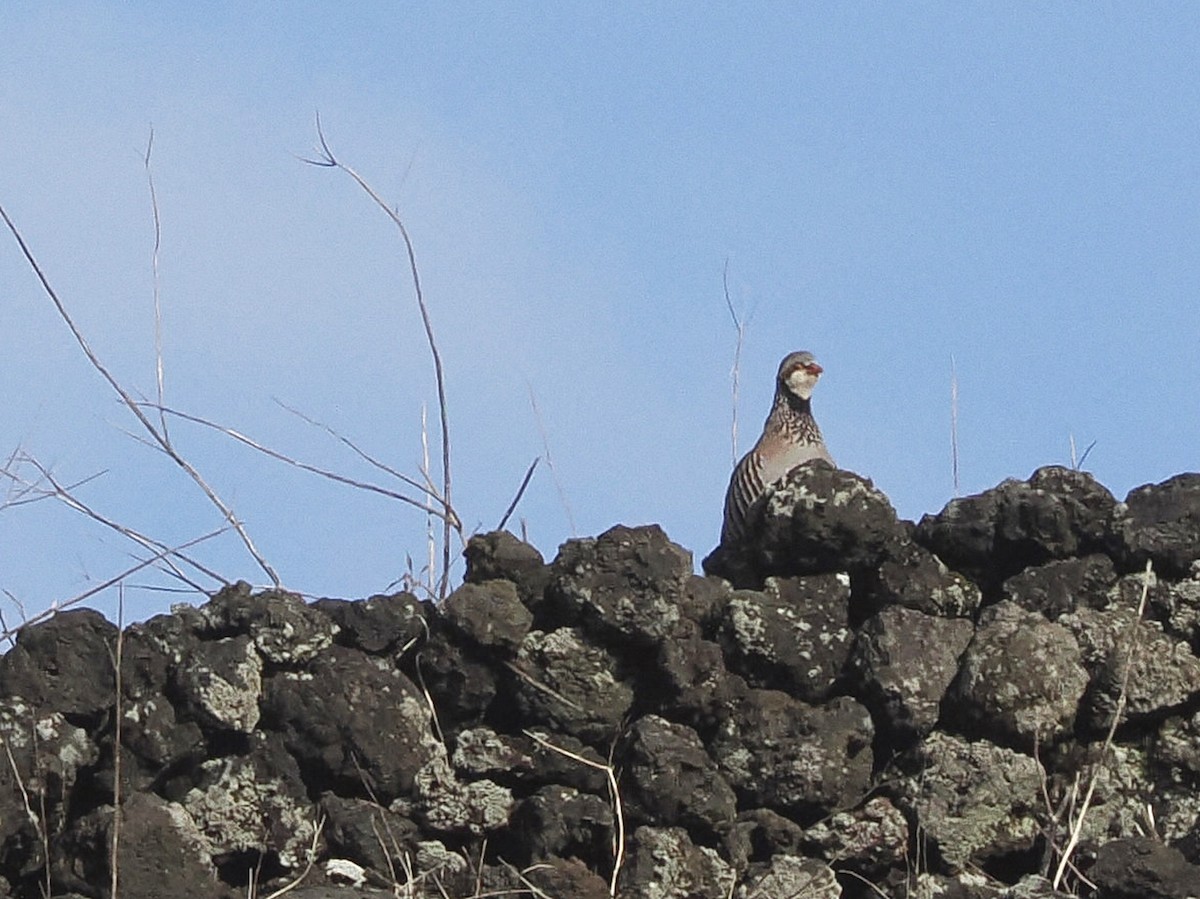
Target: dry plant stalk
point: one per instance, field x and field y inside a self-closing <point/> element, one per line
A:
<point x="954" y="423"/>
<point x="312" y="860"/>
<point x="558" y="485"/>
<point x="739" y="324"/>
<point x="159" y="438"/>
<point x="326" y="159"/>
<point x="1106" y="746"/>
<point x="57" y="607"/>
<point x="614" y="794"/>
<point x="114" y="868"/>
<point x="445" y="513"/>
<point x="65" y="494"/>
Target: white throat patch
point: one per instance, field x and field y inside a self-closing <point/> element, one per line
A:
<point x="801" y="382"/>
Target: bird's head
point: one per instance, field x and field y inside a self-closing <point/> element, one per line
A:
<point x="798" y="374"/>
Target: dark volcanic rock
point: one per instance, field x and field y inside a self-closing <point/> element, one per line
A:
<point x="1063" y="585"/>
<point x="1021" y="679"/>
<point x="1132" y="662"/>
<point x="993" y="535"/>
<point x="377" y="625"/>
<point x="253" y="803"/>
<point x="672" y="780"/>
<point x="368" y="835"/>
<point x="285" y="629"/>
<point x="903" y="663"/>
<point x="489" y="614"/>
<point x="693" y="683"/>
<point x="974" y="800"/>
<point x="501" y="743"/>
<point x="912" y="576"/>
<point x="567" y="683"/>
<point x="220" y="683"/>
<point x="1161" y="523"/>
<point x="567" y="877"/>
<point x="784" y="754"/>
<point x="663" y="861"/>
<point x="63" y="665"/>
<point x="499" y="555"/>
<point x="158" y="840"/>
<point x="563" y="822"/>
<point x="1143" y="868"/>
<point x="869" y="840"/>
<point x="352" y="724"/>
<point x="628" y="584"/>
<point x="790" y="875"/>
<point x="818" y="519"/>
<point x="795" y="634"/>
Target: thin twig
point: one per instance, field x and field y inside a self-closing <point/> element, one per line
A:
<point x="68" y="498"/>
<point x="538" y="685"/>
<point x="614" y="793"/>
<point x="954" y="422"/>
<point x="739" y="325"/>
<point x="158" y="341"/>
<point x="133" y="406"/>
<point x="520" y="492"/>
<point x="365" y="456"/>
<point x="116" y="825"/>
<point x="328" y="160"/>
<point x="541" y="426"/>
<point x="75" y="600"/>
<point x="430" y="543"/>
<point x="1122" y="699"/>
<point x="312" y="469"/>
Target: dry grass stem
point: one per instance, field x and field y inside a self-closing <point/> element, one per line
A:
<point x="614" y="795"/>
<point x="445" y="514"/>
<point x="312" y="860"/>
<point x="954" y="423"/>
<point x="520" y="493"/>
<point x="159" y="438"/>
<point x="538" y="685"/>
<point x="558" y="485"/>
<point x="1122" y="698"/>
<point x="114" y="867"/>
<point x="328" y="160"/>
<point x="65" y="495"/>
<point x="158" y="341"/>
<point x="739" y="324"/>
<point x="57" y="607"/>
<point x="424" y="487"/>
<point x="430" y="542"/>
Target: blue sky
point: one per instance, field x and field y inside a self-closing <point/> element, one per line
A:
<point x="1014" y="187"/>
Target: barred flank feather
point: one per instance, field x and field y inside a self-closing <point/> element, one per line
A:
<point x="790" y="438"/>
<point x="744" y="488"/>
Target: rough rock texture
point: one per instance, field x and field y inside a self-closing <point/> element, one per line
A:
<point x="848" y="705"/>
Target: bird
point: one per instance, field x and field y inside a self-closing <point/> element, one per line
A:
<point x="789" y="438"/>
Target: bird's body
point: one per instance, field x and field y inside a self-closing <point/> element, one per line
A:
<point x="790" y="438"/>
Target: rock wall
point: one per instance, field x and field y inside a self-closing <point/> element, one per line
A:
<point x="847" y="705"/>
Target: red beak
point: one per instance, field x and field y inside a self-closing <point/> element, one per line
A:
<point x="813" y="368"/>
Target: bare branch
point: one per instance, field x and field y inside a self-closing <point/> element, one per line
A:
<point x="541" y="425"/>
<point x="132" y="404"/>
<point x="328" y="160"/>
<point x="447" y="515"/>
<point x="954" y="423"/>
<point x="520" y="492"/>
<point x="158" y="341"/>
<point x="68" y="498"/>
<point x="740" y="328"/>
<point x="426" y="487"/>
<point x="1122" y="698"/>
<point x="99" y="588"/>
